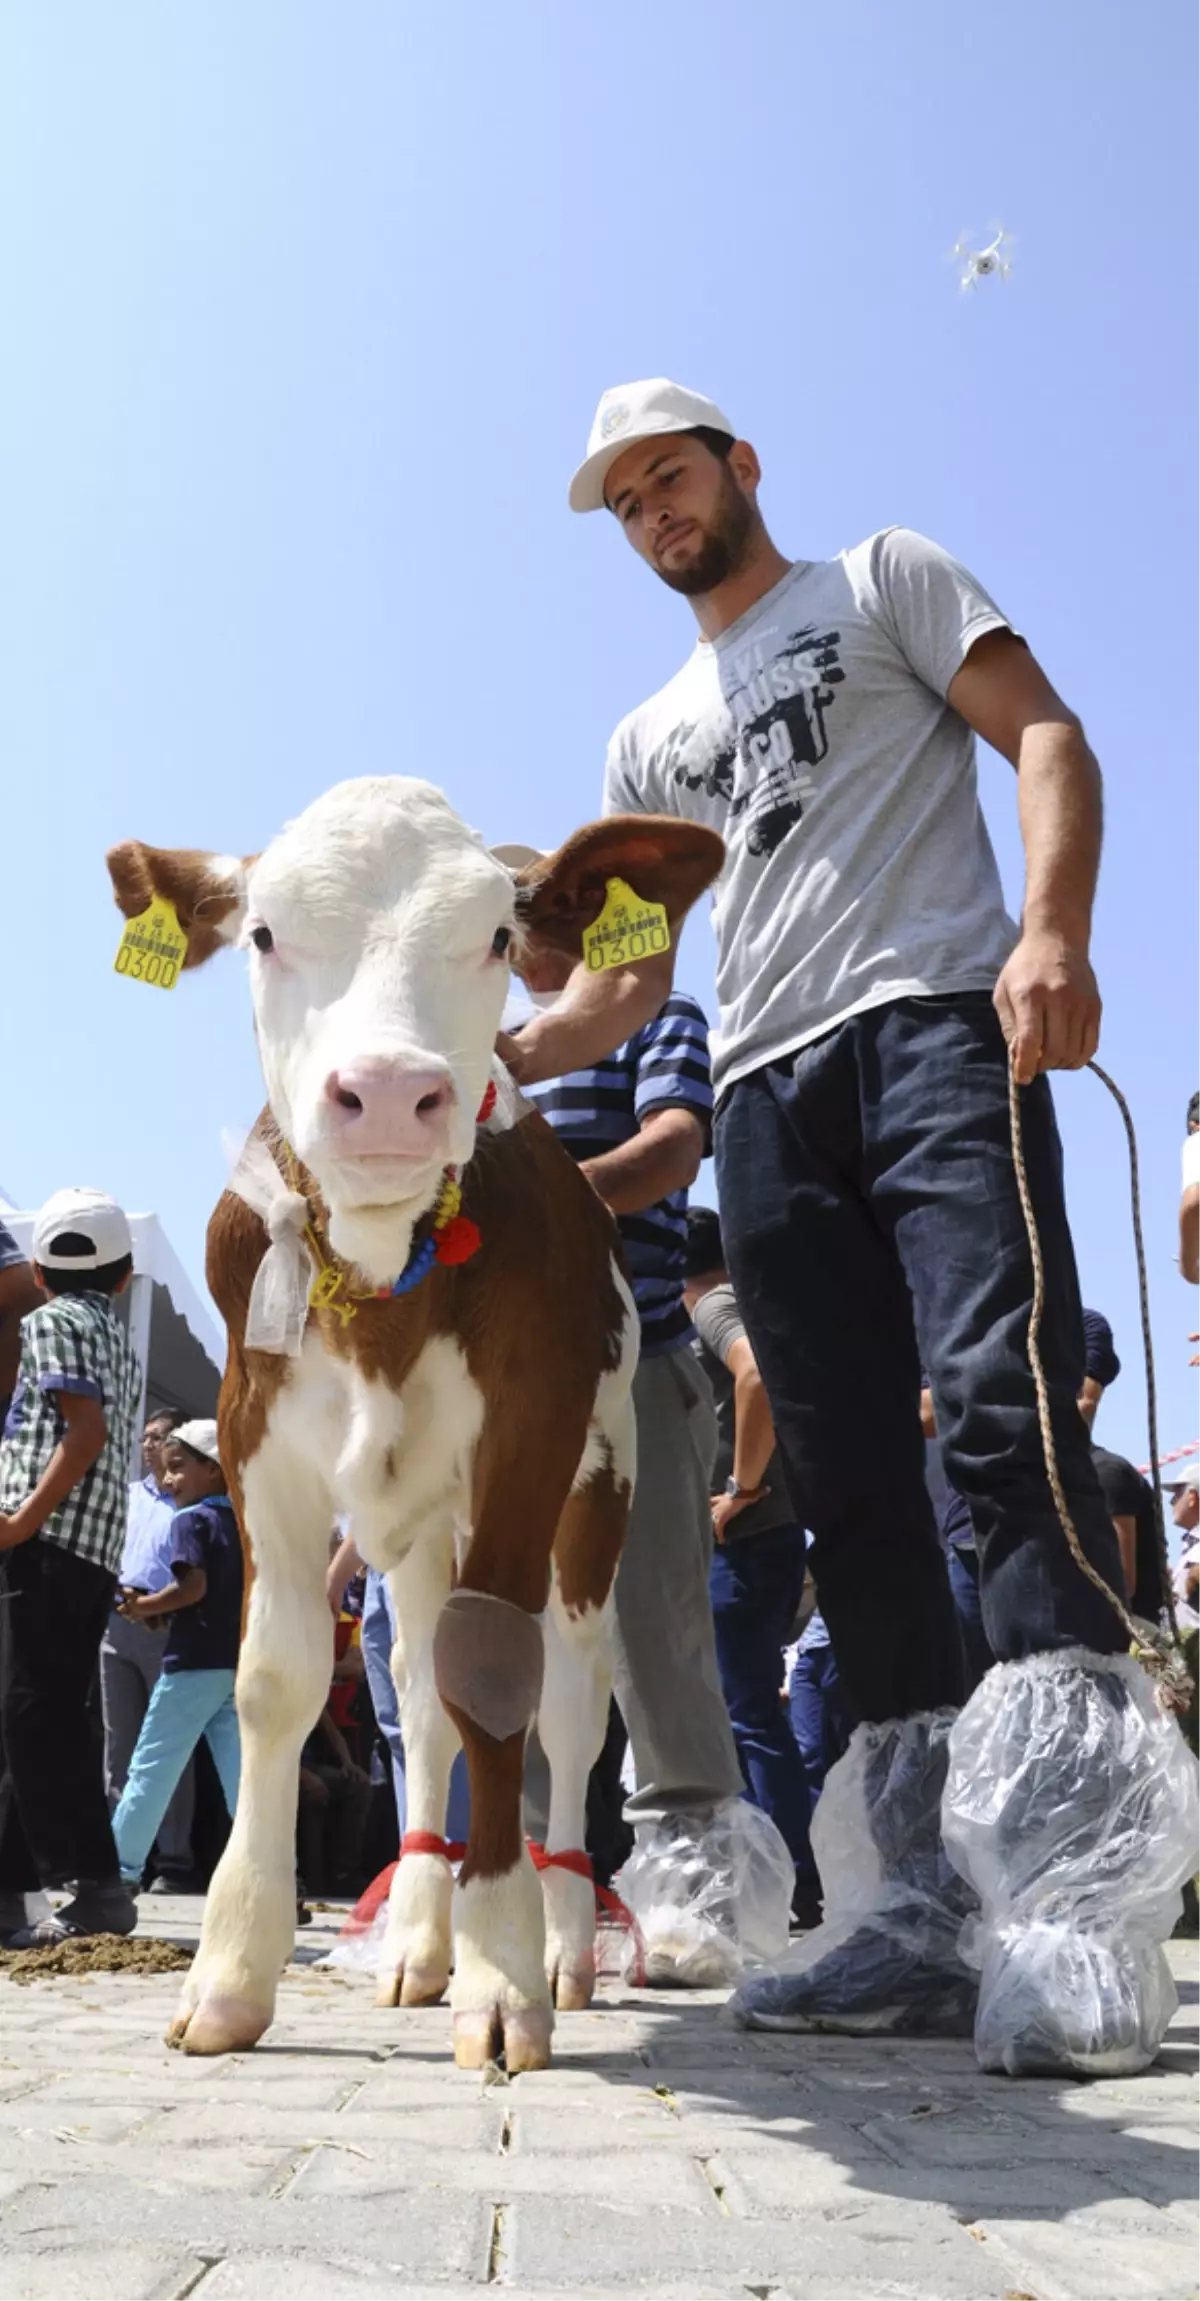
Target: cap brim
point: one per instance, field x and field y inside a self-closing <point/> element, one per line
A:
<point x="517" y="857"/>
<point x="586" y="491"/>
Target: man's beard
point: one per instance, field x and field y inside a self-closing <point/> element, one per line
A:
<point x="723" y="549"/>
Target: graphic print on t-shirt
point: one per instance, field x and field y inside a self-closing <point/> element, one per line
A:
<point x="759" y="757"/>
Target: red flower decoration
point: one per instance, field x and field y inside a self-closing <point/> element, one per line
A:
<point x="488" y="1105"/>
<point x="458" y="1241"/>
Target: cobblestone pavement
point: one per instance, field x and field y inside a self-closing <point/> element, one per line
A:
<point x="348" y="2160"/>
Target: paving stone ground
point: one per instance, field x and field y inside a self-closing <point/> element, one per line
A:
<point x="346" y="2159"/>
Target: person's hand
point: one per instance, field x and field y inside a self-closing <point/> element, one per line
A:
<point x="509" y="1050"/>
<point x="1049" y="1006"/>
<point x="726" y="1507"/>
<point x="352" y="1771"/>
<point x="16" y="1527"/>
<point x="129" y="1604"/>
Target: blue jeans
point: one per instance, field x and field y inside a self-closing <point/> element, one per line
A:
<point x="184" y="1705"/>
<point x="755" y="1587"/>
<point x="872" y="1225"/>
<point x="378" y="1638"/>
<point x="821" y="1722"/>
<point x="978" y="1657"/>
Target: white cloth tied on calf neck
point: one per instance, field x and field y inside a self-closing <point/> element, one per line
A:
<point x="488" y="1657"/>
<point x="278" y="1309"/>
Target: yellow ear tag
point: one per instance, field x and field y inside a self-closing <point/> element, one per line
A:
<point x="153" y="946"/>
<point x="627" y="929"/>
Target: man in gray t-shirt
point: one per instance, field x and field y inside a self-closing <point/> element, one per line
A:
<point x="873" y="994"/>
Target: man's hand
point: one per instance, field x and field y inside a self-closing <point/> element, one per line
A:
<point x="136" y="1606"/>
<point x="17" y="1526"/>
<point x="1049" y="1006"/>
<point x="726" y="1507"/>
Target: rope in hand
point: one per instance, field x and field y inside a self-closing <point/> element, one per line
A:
<point x="1157" y="1650"/>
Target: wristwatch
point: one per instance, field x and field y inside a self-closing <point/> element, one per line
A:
<point x="738" y="1493"/>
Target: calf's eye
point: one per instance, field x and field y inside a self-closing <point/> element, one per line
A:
<point x="262" y="938"/>
<point x="500" y="941"/>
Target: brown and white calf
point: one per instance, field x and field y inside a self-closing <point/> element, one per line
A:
<point x="475" y="1431"/>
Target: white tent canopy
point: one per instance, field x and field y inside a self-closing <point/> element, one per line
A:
<point x="176" y="1338"/>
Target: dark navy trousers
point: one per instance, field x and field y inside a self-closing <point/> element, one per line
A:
<point x="872" y="1226"/>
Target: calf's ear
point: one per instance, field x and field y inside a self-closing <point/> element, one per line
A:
<point x="208" y="891"/>
<point x="661" y="859"/>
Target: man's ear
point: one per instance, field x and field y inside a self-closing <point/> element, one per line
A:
<point x="661" y="859"/>
<point x="208" y="891"/>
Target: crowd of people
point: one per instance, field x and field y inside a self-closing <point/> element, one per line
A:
<point x="843" y="1528"/>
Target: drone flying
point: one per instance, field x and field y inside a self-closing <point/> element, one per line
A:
<point x="991" y="262"/>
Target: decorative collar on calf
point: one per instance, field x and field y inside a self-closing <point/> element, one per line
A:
<point x="453" y="1239"/>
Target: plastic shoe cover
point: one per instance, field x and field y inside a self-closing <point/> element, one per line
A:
<point x="886" y="1959"/>
<point x="1071" y="1804"/>
<point x="710" y="1893"/>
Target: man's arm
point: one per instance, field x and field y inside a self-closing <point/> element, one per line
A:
<point x="753" y="1428"/>
<point x="663" y="1156"/>
<point x="594" y="1016"/>
<point x="19" y="1293"/>
<point x="81" y="1444"/>
<point x="753" y="1437"/>
<point x="1126" y="1531"/>
<point x="187" y="1589"/>
<point x="327" y="1725"/>
<point x="1046" y="997"/>
<point x="1189" y="1234"/>
<point x="340" y="1572"/>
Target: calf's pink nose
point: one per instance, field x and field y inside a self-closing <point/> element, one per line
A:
<point x="380" y="1106"/>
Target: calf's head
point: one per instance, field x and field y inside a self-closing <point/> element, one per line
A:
<point x="380" y="932"/>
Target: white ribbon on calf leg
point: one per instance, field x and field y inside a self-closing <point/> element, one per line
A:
<point x="278" y="1311"/>
<point x="488" y="1659"/>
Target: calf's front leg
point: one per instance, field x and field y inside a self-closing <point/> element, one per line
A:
<point x="488" y="1660"/>
<point x="414" y="1961"/>
<point x="284" y="1670"/>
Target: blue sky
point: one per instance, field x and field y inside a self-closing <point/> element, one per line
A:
<point x="306" y="311"/>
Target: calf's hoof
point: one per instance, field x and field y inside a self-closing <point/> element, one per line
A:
<point x="411" y="1984"/>
<point x="521" y="2034"/>
<point x="573" y="1982"/>
<point x="218" y="2025"/>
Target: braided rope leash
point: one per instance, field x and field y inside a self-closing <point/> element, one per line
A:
<point x="1157" y="1650"/>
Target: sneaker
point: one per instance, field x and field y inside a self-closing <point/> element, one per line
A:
<point x="885" y="1959"/>
<point x="1071" y="1804"/>
<point x="97" y="1906"/>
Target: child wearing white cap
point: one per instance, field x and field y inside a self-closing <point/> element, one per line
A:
<point x="202" y="1610"/>
<point x="64" y="1463"/>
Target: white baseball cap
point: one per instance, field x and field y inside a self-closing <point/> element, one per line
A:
<point x="1180" y="1481"/>
<point x="89" y="1214"/>
<point x="636" y="411"/>
<point x="201" y="1436"/>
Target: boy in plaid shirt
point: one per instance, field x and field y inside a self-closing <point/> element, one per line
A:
<point x="64" y="1466"/>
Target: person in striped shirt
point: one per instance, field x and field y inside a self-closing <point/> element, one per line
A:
<point x="637" y="1124"/>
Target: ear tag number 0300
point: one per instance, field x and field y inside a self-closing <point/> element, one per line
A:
<point x="153" y="946"/>
<point x="627" y="929"/>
